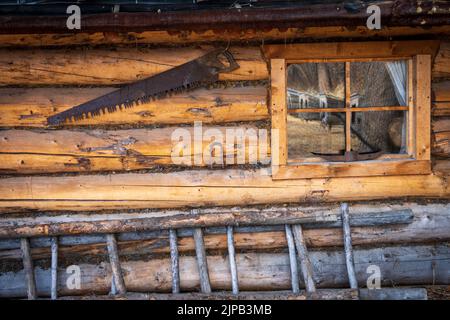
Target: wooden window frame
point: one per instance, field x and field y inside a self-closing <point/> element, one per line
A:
<point x="419" y="55"/>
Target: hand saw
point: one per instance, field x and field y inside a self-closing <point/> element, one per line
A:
<point x="193" y="74"/>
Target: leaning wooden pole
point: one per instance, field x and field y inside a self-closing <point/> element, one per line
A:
<point x="54" y="268"/>
<point x="174" y="259"/>
<point x="348" y="247"/>
<point x="232" y="260"/>
<point x="202" y="263"/>
<point x="305" y="263"/>
<point x="29" y="269"/>
<point x="292" y="259"/>
<point x="115" y="264"/>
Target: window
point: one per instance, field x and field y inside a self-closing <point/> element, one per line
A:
<point x="351" y="109"/>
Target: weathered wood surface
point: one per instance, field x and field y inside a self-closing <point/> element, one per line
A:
<point x="113" y="252"/>
<point x="30" y="151"/>
<point x="441" y="99"/>
<point x="86" y="66"/>
<point x="348" y="248"/>
<point x="441" y="137"/>
<point x="431" y="224"/>
<point x="28" y="268"/>
<point x="174" y="261"/>
<point x="159" y="220"/>
<point x="303" y="257"/>
<point x="164" y="37"/>
<point x="202" y="188"/>
<point x="399" y="266"/>
<point x="441" y="65"/>
<point x="30" y="107"/>
<point x="441" y="167"/>
<point x="54" y="268"/>
<point x="393" y="294"/>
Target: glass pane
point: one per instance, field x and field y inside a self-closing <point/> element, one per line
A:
<point x="378" y="84"/>
<point x="316" y="85"/>
<point x="315" y="132"/>
<point x="379" y="130"/>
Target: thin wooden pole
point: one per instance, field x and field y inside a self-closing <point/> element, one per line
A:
<point x="174" y="258"/>
<point x="348" y="247"/>
<point x="305" y="263"/>
<point x="205" y="285"/>
<point x="348" y="114"/>
<point x="28" y="267"/>
<point x="292" y="259"/>
<point x="54" y="268"/>
<point x="232" y="258"/>
<point x="115" y="264"/>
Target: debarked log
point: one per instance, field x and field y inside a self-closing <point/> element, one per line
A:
<point x="201" y="188"/>
<point x="414" y="265"/>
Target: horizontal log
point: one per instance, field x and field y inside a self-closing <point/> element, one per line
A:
<point x="431" y="223"/>
<point x="113" y="67"/>
<point x="441" y="91"/>
<point x="44" y="151"/>
<point x="30" y="107"/>
<point x="441" y="167"/>
<point x="188" y="37"/>
<point x="440" y="125"/>
<point x="116" y="223"/>
<point x="202" y="188"/>
<point x="415" y="265"/>
<point x="323" y="294"/>
<point x="441" y="109"/>
<point x="441" y="65"/>
<point x="441" y="144"/>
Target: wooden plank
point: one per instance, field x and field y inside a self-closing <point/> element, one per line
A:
<point x="201" y="188"/>
<point x="164" y="37"/>
<point x="232" y="260"/>
<point x="119" y="282"/>
<point x="423" y="107"/>
<point x="202" y="262"/>
<point x="88" y="66"/>
<point x="329" y="269"/>
<point x="54" y="268"/>
<point x="305" y="263"/>
<point x="349" y="261"/>
<point x="352" y="169"/>
<point x="27" y="151"/>
<point x="278" y="110"/>
<point x="174" y="259"/>
<point x="30" y="107"/>
<point x="441" y="65"/>
<point x="28" y="268"/>
<point x="292" y="259"/>
<point x="349" y="50"/>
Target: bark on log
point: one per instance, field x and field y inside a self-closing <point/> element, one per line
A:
<point x="164" y="37"/>
<point x="202" y="188"/>
<point x="30" y="107"/>
<point x="25" y="151"/>
<point x="169" y="219"/>
<point x="399" y="266"/>
<point x="108" y="67"/>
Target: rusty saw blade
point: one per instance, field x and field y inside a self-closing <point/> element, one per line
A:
<point x="349" y="156"/>
<point x="193" y="74"/>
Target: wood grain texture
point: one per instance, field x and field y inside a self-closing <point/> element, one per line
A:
<point x="113" y="67"/>
<point x="44" y="151"/>
<point x="329" y="268"/>
<point x="30" y="107"/>
<point x="430" y="224"/>
<point x="441" y="65"/>
<point x="164" y="37"/>
<point x="202" y="188"/>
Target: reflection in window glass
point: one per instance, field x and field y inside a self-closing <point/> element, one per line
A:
<point x="379" y="130"/>
<point x="315" y="132"/>
<point x="316" y="85"/>
<point x="378" y="83"/>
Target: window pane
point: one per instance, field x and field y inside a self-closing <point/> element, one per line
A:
<point x="315" y="132"/>
<point x="379" y="130"/>
<point x="316" y="85"/>
<point x="378" y="84"/>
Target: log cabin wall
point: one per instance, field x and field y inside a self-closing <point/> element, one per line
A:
<point x="102" y="154"/>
